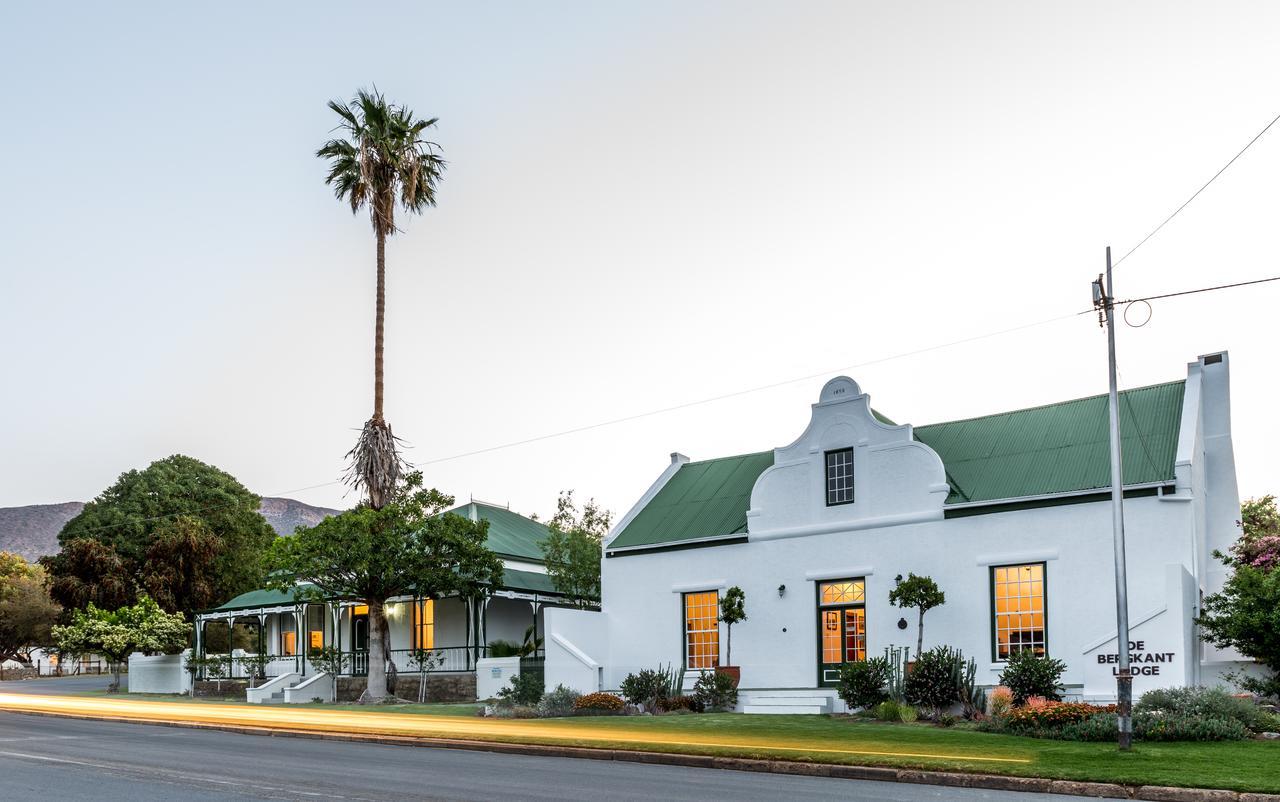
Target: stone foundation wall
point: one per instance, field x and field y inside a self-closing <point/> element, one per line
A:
<point x="440" y="687"/>
<point x="26" y="672"/>
<point x="230" y="689"/>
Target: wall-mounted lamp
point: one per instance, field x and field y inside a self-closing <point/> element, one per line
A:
<point x="902" y="623"/>
<point x="782" y="591"/>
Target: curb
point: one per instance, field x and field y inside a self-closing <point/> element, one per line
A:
<point x="990" y="782"/>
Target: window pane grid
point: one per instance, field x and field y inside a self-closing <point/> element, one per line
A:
<point x="702" y="629"/>
<point x="1018" y="593"/>
<point x="849" y="592"/>
<point x="840" y="476"/>
<point x="855" y="635"/>
<point x="424" y="624"/>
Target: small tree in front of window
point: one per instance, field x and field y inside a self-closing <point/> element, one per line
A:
<point x="733" y="610"/>
<point x="919" y="592"/>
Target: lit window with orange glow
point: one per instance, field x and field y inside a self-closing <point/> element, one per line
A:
<point x="1017" y="602"/>
<point x="424" y="624"/>
<point x="288" y="643"/>
<point x="702" y="629"/>
<point x="852" y="591"/>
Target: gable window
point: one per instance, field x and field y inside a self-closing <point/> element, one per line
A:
<point x="840" y="477"/>
<point x="1018" y="610"/>
<point x="702" y="630"/>
<point x="424" y="624"/>
<point x="842" y="626"/>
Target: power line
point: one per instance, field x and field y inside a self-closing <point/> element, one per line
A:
<point x="639" y="415"/>
<point x="1196" y="194"/>
<point x="736" y="393"/>
<point x="1202" y="289"/>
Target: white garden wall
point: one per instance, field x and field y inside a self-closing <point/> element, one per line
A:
<point x="159" y="673"/>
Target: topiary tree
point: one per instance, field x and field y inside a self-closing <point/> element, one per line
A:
<point x="116" y="634"/>
<point x="733" y="610"/>
<point x="919" y="592"/>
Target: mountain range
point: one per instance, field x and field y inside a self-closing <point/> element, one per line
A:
<point x="32" y="531"/>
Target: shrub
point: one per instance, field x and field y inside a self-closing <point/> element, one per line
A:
<point x="1026" y="674"/>
<point x="946" y="720"/>
<point x="715" y="691"/>
<point x="599" y="702"/>
<point x="642" y="688"/>
<point x="647" y="687"/>
<point x="502" y="648"/>
<point x="1053" y="714"/>
<point x="675" y="704"/>
<point x="864" y="684"/>
<point x="525" y="690"/>
<point x="558" y="702"/>
<point x="887" y="710"/>
<point x="907" y="714"/>
<point x="1152" y="727"/>
<point x="1001" y="701"/>
<point x="1203" y="703"/>
<point x="933" y="682"/>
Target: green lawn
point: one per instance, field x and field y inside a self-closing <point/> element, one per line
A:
<point x="1238" y="765"/>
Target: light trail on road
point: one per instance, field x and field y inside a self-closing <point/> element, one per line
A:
<point x="408" y="725"/>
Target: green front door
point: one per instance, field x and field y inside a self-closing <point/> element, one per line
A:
<point x="842" y="628"/>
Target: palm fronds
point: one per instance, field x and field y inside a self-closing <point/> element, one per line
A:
<point x="374" y="463"/>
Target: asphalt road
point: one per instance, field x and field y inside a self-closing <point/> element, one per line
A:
<point x="57" y="758"/>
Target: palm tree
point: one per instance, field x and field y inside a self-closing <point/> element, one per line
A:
<point x="381" y="160"/>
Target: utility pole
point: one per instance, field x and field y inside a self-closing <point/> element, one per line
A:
<point x="1104" y="302"/>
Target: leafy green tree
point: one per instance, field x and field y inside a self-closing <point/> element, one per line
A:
<point x="89" y="572"/>
<point x="733" y="610"/>
<point x="185" y="531"/>
<point x="381" y="162"/>
<point x="116" y="634"/>
<point x="408" y="546"/>
<point x="919" y="592"/>
<point x="1245" y="613"/>
<point x="572" y="549"/>
<point x="26" y="611"/>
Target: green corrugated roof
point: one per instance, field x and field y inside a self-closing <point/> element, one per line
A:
<point x="263" y="598"/>
<point x="702" y="499"/>
<point x="1053" y="449"/>
<point x="510" y="533"/>
<point x="1058" y="448"/>
<point x="530" y="581"/>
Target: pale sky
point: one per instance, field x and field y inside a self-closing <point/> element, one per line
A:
<point x="647" y="204"/>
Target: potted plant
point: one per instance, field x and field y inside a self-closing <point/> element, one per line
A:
<point x="733" y="609"/>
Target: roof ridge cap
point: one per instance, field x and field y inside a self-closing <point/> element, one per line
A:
<point x="728" y="457"/>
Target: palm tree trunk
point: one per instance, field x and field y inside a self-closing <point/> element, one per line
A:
<point x="379" y="317"/>
<point x="376" y="689"/>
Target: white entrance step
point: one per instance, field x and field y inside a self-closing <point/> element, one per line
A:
<point x="786" y="702"/>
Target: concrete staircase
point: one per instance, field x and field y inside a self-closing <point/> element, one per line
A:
<point x="804" y="702"/>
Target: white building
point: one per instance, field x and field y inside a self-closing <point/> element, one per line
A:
<point x="1009" y="513"/>
<point x="286" y="627"/>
